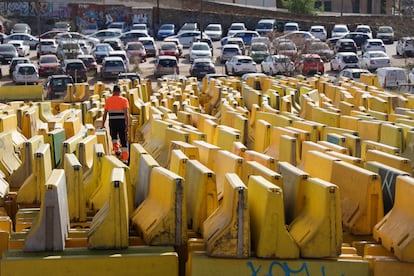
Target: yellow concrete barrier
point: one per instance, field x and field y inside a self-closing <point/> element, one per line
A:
<point x="369" y="145"/>
<point x="388" y="178"/>
<point x="392" y="135"/>
<point x="8" y="123"/>
<point x="391" y="160"/>
<point x="91" y="179"/>
<point x="390" y="232"/>
<point x="315" y="160"/>
<point x="85" y="152"/>
<point x="318" y="228"/>
<point x="264" y="159"/>
<point x="262" y="132"/>
<point x="274" y="119"/>
<point x="27" y="155"/>
<point x="226" y="162"/>
<point x="100" y="195"/>
<point x="225" y="136"/>
<point x="104" y="138"/>
<point x="161" y="218"/>
<point x="255" y="168"/>
<point x="201" y="194"/>
<point x="346" y="158"/>
<point x="207" y="153"/>
<point x="369" y="130"/>
<point x="227" y="230"/>
<point x="353" y="144"/>
<point x="269" y="236"/>
<point x="142" y="184"/>
<point x="310" y="127"/>
<point x="333" y="146"/>
<point x="110" y="226"/>
<point x="74" y="187"/>
<point x="70" y="146"/>
<point x="178" y="162"/>
<point x="32" y="190"/>
<point x="21" y="92"/>
<point x="51" y="226"/>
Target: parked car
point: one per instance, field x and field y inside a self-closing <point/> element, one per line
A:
<point x="56" y="86"/>
<point x="372" y="60"/>
<point x="7" y="53"/>
<point x="21" y="28"/>
<point x="352" y="73"/>
<point x="111" y="67"/>
<point x="29" y="39"/>
<point x="235" y="27"/>
<point x="266" y="26"/>
<point x="85" y="46"/>
<point x="318" y="31"/>
<point x="238" y="41"/>
<point x="119" y="25"/>
<point x="290" y="27"/>
<point x="188" y="27"/>
<point x="25" y="73"/>
<point x="68" y="50"/>
<point x="339" y="30"/>
<point x="62" y="26"/>
<point x="15" y="61"/>
<point x="48" y="65"/>
<point x="278" y="64"/>
<point x="344" y="60"/>
<point x="405" y="46"/>
<point x="300" y="38"/>
<point x="187" y="38"/>
<point x="366" y="29"/>
<point x="259" y="51"/>
<point x="89" y="28"/>
<point x="202" y="66"/>
<point x="49" y="34"/>
<point x="76" y="69"/>
<point x="169" y="49"/>
<point x="166" y="30"/>
<point x="177" y="42"/>
<point x="199" y="50"/>
<point x="386" y="34"/>
<point x="311" y="64"/>
<point x="140" y="27"/>
<point x="214" y="31"/>
<point x="46" y="46"/>
<point x="287" y="48"/>
<point x="122" y="54"/>
<point x="228" y="51"/>
<point x="101" y="51"/>
<point x="22" y="48"/>
<point x="136" y="50"/>
<point x="247" y="36"/>
<point x="345" y="45"/>
<point x="149" y="45"/>
<point x="132" y="36"/>
<point x="115" y="43"/>
<point x="320" y="48"/>
<point x="90" y="63"/>
<point x="239" y="65"/>
<point x="358" y="37"/>
<point x="166" y="65"/>
<point x="101" y="35"/>
<point x="391" y="77"/>
<point x="374" y="44"/>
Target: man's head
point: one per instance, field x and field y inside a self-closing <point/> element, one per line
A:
<point x="117" y="89"/>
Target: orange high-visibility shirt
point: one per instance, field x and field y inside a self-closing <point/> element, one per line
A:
<point x="115" y="106"/>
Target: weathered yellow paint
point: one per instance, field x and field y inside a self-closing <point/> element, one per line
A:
<point x="255" y="168"/>
<point x="391" y="160"/>
<point x="368" y="145"/>
<point x="207" y="153"/>
<point x="390" y="232"/>
<point x="75" y="189"/>
<point x="161" y="218"/>
<point x="110" y="226"/>
<point x="315" y="160"/>
<point x="269" y="236"/>
<point x="392" y="135"/>
<point x="262" y="132"/>
<point x="318" y="228"/>
<point x="9" y="160"/>
<point x="226" y="162"/>
<point x="91" y="179"/>
<point x="178" y="162"/>
<point x="21" y="92"/>
<point x="85" y="152"/>
<point x="369" y="130"/>
<point x="227" y="230"/>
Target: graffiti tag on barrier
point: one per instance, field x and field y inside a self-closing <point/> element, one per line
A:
<point x="283" y="268"/>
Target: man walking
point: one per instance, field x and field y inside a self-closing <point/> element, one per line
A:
<point x="118" y="109"/>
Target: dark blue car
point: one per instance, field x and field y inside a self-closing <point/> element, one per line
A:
<point x="166" y="30"/>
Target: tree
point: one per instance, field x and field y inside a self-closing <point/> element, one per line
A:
<point x="301" y="6"/>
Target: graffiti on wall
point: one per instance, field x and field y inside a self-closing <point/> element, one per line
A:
<point x="47" y="9"/>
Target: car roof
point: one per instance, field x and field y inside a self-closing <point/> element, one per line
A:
<point x="114" y="58"/>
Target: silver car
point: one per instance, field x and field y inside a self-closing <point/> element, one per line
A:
<point x="111" y="67"/>
<point x="26" y="73"/>
<point x="166" y="65"/>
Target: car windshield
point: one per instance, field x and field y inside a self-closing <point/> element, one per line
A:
<point x="45" y="43"/>
<point x="319" y="46"/>
<point x="356" y="75"/>
<point x="167" y="27"/>
<point x="75" y="65"/>
<point x="70" y="46"/>
<point x="282" y="60"/>
<point x="230" y="50"/>
<point x="167" y="62"/>
<point x="147" y="42"/>
<point x="213" y="28"/>
<point x="244" y="60"/>
<point x="362" y="30"/>
<point x="7" y="48"/>
<point x="350" y="59"/>
<point x="135" y="46"/>
<point x="169" y="46"/>
<point x="312" y="59"/>
<point x="264" y="25"/>
<point x="317" y="30"/>
<point x="51" y="59"/>
<point x="236" y="27"/>
<point x="347" y="43"/>
<point x="87" y="60"/>
<point x="340" y="29"/>
<point x="259" y="47"/>
<point x="113" y="63"/>
<point x="286" y="46"/>
<point x="200" y="47"/>
<point x="202" y="64"/>
<point x="60" y="82"/>
<point x="378" y="54"/>
<point x="27" y="70"/>
<point x="385" y="30"/>
<point x="103" y="48"/>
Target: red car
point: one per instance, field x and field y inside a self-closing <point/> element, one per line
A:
<point x="48" y="65"/>
<point x="169" y="49"/>
<point x="136" y="49"/>
<point x="311" y="64"/>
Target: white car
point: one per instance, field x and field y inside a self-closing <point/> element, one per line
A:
<point x="344" y="60"/>
<point x="375" y="59"/>
<point x="239" y="65"/>
<point x="339" y="30"/>
<point x="46" y="46"/>
<point x="228" y="51"/>
<point x="364" y="29"/>
<point x="373" y="44"/>
<point x="318" y="31"/>
<point x="199" y="50"/>
<point x="26" y="73"/>
<point x="214" y="31"/>
<point x="22" y="48"/>
<point x="277" y="64"/>
<point x="352" y="73"/>
<point x="187" y="38"/>
<point x="290" y="27"/>
<point x="411" y="76"/>
<point x="236" y="27"/>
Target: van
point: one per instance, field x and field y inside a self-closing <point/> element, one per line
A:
<point x="266" y="26"/>
<point x="391" y="77"/>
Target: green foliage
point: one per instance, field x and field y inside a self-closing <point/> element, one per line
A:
<point x="306" y="7"/>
